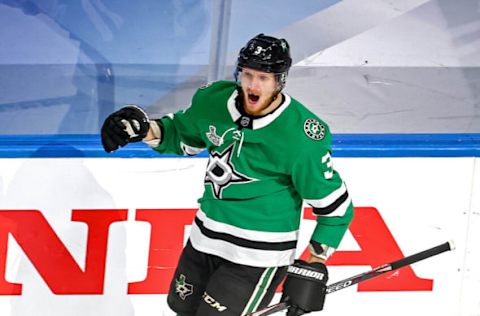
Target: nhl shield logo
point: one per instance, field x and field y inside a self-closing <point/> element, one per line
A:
<point x="245" y="121"/>
<point x="314" y="129"/>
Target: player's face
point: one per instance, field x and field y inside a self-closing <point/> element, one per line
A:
<point x="259" y="89"/>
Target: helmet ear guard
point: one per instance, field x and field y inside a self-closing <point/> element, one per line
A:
<point x="282" y="80"/>
<point x="268" y="54"/>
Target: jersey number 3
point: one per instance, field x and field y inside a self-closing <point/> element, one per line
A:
<point x="327" y="161"/>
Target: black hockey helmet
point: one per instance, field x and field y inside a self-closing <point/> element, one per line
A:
<point x="268" y="54"/>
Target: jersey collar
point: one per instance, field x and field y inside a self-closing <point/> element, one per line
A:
<point x="261" y="121"/>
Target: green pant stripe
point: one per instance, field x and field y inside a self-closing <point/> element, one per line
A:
<point x="260" y="290"/>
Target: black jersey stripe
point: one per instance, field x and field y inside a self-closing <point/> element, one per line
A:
<point x="262" y="245"/>
<point x="322" y="211"/>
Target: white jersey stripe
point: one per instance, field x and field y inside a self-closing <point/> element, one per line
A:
<point x="246" y="233"/>
<point x="329" y="199"/>
<point x="238" y="254"/>
<point x="341" y="210"/>
<point x="190" y="150"/>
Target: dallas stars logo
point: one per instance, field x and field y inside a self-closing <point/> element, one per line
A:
<point x="221" y="172"/>
<point x="314" y="129"/>
<point x="183" y="288"/>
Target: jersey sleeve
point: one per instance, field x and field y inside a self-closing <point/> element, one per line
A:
<point x="180" y="132"/>
<point x="322" y="188"/>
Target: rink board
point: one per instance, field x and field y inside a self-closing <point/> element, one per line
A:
<point x="135" y="214"/>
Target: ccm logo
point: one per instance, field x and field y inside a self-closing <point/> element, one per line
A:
<point x="213" y="303"/>
<point x="306" y="273"/>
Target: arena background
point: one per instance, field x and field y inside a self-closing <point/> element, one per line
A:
<point x="86" y="233"/>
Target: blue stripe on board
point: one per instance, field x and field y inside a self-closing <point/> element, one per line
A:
<point x="344" y="145"/>
<point x="406" y="145"/>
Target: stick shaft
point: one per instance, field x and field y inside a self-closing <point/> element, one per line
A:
<point x="367" y="275"/>
<point x="389" y="267"/>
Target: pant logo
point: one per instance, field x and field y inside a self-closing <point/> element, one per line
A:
<point x="183" y="288"/>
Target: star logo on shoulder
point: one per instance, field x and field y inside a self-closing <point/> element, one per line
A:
<point x="314" y="129"/>
<point x="221" y="172"/>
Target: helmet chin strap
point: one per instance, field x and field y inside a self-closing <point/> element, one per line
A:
<point x="273" y="98"/>
<point x="276" y="92"/>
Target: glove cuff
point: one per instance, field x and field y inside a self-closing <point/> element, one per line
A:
<point x="157" y="133"/>
<point x="319" y="250"/>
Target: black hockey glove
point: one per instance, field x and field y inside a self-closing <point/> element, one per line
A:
<point x="128" y="125"/>
<point x="305" y="287"/>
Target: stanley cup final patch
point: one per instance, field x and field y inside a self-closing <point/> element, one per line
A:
<point x="314" y="129"/>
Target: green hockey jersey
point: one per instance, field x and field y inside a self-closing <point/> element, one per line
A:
<point x="258" y="176"/>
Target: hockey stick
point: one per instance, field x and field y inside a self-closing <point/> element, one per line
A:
<point x="340" y="285"/>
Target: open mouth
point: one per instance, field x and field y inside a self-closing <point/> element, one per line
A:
<point x="253" y="98"/>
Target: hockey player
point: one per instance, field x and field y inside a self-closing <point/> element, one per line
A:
<point x="268" y="155"/>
